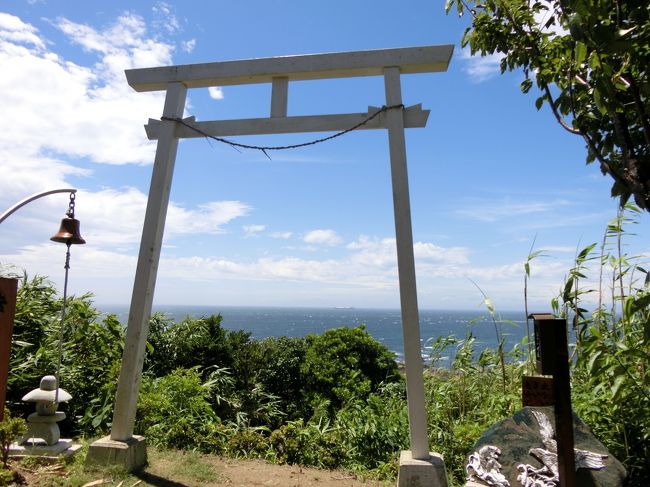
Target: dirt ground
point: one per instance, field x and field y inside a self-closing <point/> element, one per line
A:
<point x="190" y="469"/>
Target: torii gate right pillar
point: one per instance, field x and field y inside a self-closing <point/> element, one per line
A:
<point x="418" y="466"/>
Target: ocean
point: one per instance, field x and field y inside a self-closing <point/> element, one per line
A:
<point x="385" y="325"/>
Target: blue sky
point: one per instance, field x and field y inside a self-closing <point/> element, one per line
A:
<point x="312" y="226"/>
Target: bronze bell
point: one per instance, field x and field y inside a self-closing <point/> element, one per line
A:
<point x="68" y="232"/>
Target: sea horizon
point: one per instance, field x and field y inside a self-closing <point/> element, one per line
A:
<point x="384" y="324"/>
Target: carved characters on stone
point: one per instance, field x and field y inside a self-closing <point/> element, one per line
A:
<point x="484" y="466"/>
<point x="547" y="475"/>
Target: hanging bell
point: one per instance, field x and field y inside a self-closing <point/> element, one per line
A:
<point x="68" y="232"/>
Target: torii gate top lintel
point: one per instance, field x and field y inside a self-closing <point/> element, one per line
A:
<point x="424" y="59"/>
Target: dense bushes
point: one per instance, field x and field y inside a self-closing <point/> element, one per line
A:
<point x="92" y="351"/>
<point x="337" y="400"/>
<point x="344" y="364"/>
<point x="611" y="374"/>
<point x="334" y="400"/>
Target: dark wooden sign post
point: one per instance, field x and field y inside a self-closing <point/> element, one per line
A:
<point x="552" y="354"/>
<point x="8" y="290"/>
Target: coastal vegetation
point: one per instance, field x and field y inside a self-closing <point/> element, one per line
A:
<point x="338" y="400"/>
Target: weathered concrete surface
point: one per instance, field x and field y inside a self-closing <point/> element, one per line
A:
<point x="515" y="436"/>
<point x="130" y="454"/>
<point x="421" y="473"/>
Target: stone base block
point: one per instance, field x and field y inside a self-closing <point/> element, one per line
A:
<point x="130" y="454"/>
<point x="61" y="449"/>
<point x="421" y="473"/>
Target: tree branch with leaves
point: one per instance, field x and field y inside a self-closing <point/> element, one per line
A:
<point x="590" y="60"/>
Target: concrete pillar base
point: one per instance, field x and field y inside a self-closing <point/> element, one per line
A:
<point x="421" y="473"/>
<point x="130" y="454"/>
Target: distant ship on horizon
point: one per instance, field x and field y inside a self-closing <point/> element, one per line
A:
<point x="343" y="307"/>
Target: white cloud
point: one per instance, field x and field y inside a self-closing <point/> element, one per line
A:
<point x="375" y="252"/>
<point x="494" y="211"/>
<point x="188" y="46"/>
<point x="481" y="68"/>
<point x="115" y="217"/>
<point x="164" y="17"/>
<point x="82" y="111"/>
<point x="216" y="93"/>
<point x="208" y="218"/>
<point x="253" y="230"/>
<point x="15" y="31"/>
<point x="322" y="237"/>
<point x="436" y="254"/>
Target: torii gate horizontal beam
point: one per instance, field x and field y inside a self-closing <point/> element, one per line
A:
<point x="424" y="59"/>
<point x="414" y="117"/>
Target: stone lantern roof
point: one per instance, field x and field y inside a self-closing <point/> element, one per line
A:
<point x="47" y="392"/>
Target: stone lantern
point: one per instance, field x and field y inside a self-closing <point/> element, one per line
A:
<point x="43" y="423"/>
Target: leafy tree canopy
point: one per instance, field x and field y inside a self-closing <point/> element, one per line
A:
<point x="590" y="59"/>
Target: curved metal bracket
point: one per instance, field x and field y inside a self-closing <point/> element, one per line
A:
<point x="31" y="198"/>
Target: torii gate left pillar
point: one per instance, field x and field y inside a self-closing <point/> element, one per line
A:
<point x="416" y="465"/>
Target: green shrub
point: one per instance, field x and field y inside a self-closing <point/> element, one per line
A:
<point x="468" y="398"/>
<point x="91" y="355"/>
<point x="280" y="372"/>
<point x="610" y="373"/>
<point x="611" y="384"/>
<point x="374" y="431"/>
<point x="248" y="442"/>
<point x="10" y="430"/>
<point x="315" y="443"/>
<point x="159" y="356"/>
<point x="201" y="342"/>
<point x="33" y="350"/>
<point x="174" y="411"/>
<point x="344" y="364"/>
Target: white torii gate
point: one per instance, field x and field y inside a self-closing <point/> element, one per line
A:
<point x="122" y="447"/>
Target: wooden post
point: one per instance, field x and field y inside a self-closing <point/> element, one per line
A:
<point x="563" y="412"/>
<point x="406" y="269"/>
<point x="552" y="353"/>
<point x="147" y="268"/>
<point x="8" y="291"/>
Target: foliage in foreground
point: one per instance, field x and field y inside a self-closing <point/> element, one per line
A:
<point x="611" y="377"/>
<point x="336" y="400"/>
<point x="10" y="430"/>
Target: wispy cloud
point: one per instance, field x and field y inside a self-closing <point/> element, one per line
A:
<point x="480" y="68"/>
<point x="165" y="18"/>
<point x="16" y="32"/>
<point x="322" y="237"/>
<point x="188" y="46"/>
<point x="492" y="211"/>
<point x="253" y="230"/>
